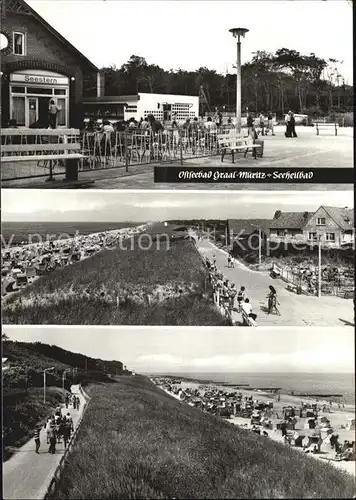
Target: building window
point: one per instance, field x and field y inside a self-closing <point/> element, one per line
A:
<point x="281" y="232"/>
<point x="18" y="110"/>
<point x="321" y="221"/>
<point x="18" y="90"/>
<point x="312" y="236"/>
<point x="19" y="44"/>
<point x="330" y="236"/>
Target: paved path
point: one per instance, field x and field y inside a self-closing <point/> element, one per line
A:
<point x="307" y="150"/>
<point x="28" y="475"/>
<point x="296" y="310"/>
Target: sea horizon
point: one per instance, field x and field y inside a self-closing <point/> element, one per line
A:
<point x="300" y="382"/>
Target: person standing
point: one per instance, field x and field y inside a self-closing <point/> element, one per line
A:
<point x="53" y="112"/>
<point x="292" y="125"/>
<point x="37" y="438"/>
<point x="288" y="124"/>
<point x="250" y="126"/>
<point x="270" y="122"/>
<point x="262" y="124"/>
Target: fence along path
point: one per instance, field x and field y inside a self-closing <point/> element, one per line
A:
<point x="28" y="475"/>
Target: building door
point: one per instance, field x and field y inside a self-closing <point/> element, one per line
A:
<point x="32" y="107"/>
<point x="167" y="112"/>
<point x="43" y="104"/>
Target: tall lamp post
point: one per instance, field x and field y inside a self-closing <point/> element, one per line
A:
<point x="238" y="33"/>
<point x="44" y="382"/>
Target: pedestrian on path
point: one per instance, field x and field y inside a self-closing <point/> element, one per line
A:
<point x="67" y="401"/>
<point x="240" y="297"/>
<point x="74" y="403"/>
<point x="52" y="441"/>
<point x="37" y="437"/>
<point x="66" y="431"/>
<point x="70" y="421"/>
<point x="78" y="402"/>
<point x="48" y="428"/>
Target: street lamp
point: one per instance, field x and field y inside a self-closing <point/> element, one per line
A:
<point x="238" y="33"/>
<point x="44" y="382"/>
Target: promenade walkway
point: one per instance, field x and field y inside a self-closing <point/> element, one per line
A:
<point x="27" y="475"/>
<point x="296" y="310"/>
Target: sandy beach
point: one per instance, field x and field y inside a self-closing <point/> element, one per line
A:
<point x="338" y="417"/>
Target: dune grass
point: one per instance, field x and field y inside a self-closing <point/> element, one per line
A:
<point x="160" y="285"/>
<point x="138" y="442"/>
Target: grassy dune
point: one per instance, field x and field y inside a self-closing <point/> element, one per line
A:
<point x="161" y="285"/>
<point x="138" y="442"/>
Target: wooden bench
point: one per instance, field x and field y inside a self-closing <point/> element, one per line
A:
<point x="247" y="320"/>
<point x="234" y="144"/>
<point x="326" y="126"/>
<point x="47" y="145"/>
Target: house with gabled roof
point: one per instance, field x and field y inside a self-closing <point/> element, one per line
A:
<point x="333" y="226"/>
<point x="38" y="65"/>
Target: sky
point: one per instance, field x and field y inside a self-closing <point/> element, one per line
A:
<point x="205" y="349"/>
<point x="190" y="34"/>
<point x="141" y="206"/>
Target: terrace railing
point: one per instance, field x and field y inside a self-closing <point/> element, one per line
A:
<point x="115" y="150"/>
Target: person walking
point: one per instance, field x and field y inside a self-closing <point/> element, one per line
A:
<point x="37" y="438"/>
<point x="66" y="431"/>
<point x="52" y="114"/>
<point x="78" y="403"/>
<point x="52" y="441"/>
<point x="70" y="422"/>
<point x="272" y="300"/>
<point x="67" y="401"/>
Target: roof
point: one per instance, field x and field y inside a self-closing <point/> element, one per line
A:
<point x="56" y="34"/>
<point x="290" y="220"/>
<point x="248" y="226"/>
<point x="341" y="216"/>
<point x="110" y="99"/>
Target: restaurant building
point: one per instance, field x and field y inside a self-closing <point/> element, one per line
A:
<point x="164" y="107"/>
<point x="37" y="65"/>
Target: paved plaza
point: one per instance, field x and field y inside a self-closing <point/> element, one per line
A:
<point x="307" y="150"/>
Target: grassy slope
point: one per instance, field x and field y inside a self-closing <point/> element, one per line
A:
<point x="120" y="272"/>
<point x="138" y="442"/>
